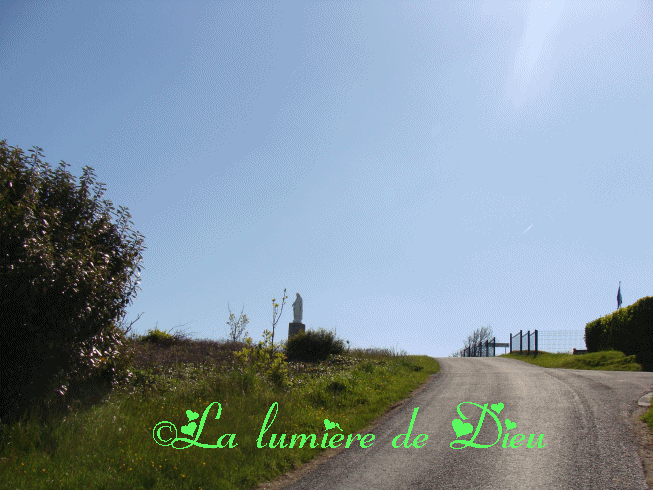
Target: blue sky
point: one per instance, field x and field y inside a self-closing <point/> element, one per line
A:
<point x="415" y="170"/>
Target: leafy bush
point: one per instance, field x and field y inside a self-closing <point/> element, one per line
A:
<point x="65" y="277"/>
<point x="264" y="359"/>
<point x="313" y="346"/>
<point x="593" y="335"/>
<point x="159" y="337"/>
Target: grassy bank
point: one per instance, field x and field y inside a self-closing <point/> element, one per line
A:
<point x="106" y="439"/>
<point x="602" y="361"/>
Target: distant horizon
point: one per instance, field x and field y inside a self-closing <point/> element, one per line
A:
<point x="415" y="171"/>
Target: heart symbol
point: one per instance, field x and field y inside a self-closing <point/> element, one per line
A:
<point x="189" y="429"/>
<point x="461" y="428"/>
<point x="497" y="407"/>
<point x="191" y="415"/>
<point x="328" y="425"/>
<point x="510" y="425"/>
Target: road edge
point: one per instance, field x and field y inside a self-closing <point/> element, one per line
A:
<point x="644" y="439"/>
<point x="292" y="476"/>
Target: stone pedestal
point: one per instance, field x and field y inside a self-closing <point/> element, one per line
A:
<point x="295" y="328"/>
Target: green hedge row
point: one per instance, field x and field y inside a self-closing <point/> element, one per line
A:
<point x="628" y="330"/>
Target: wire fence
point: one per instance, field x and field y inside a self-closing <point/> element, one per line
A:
<point x="524" y="342"/>
<point x="481" y="349"/>
<point x="555" y="341"/>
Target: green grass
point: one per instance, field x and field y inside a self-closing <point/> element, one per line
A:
<point x="104" y="439"/>
<point x="601" y="361"/>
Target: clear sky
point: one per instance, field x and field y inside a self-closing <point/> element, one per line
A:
<point x="415" y="170"/>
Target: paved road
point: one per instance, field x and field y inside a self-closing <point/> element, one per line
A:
<point x="581" y="415"/>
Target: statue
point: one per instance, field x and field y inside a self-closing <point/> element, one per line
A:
<point x="297" y="307"/>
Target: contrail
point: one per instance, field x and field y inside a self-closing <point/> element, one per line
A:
<point x="528" y="229"/>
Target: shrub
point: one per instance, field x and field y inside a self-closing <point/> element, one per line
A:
<point x="264" y="359"/>
<point x="159" y="337"/>
<point x="87" y="371"/>
<point x="65" y="277"/>
<point x="313" y="346"/>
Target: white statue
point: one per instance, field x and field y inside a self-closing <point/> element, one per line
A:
<point x="297" y="307"/>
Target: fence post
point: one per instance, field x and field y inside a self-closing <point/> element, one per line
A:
<point x="528" y="334"/>
<point x="520" y="341"/>
<point x="494" y="346"/>
<point x="536" y="342"/>
<point x="511" y="342"/>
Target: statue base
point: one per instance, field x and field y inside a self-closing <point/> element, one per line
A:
<point x="295" y="328"/>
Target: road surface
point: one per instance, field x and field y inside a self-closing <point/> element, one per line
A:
<point x="583" y="420"/>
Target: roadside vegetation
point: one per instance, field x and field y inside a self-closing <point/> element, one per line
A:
<point x="601" y="361"/>
<point x="104" y="439"/>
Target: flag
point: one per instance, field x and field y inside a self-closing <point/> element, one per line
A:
<point x="619" y="296"/>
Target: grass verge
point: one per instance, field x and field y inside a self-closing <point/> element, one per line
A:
<point x="110" y="443"/>
<point x="602" y="361"/>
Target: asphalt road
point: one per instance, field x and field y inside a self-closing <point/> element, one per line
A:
<point x="582" y="417"/>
